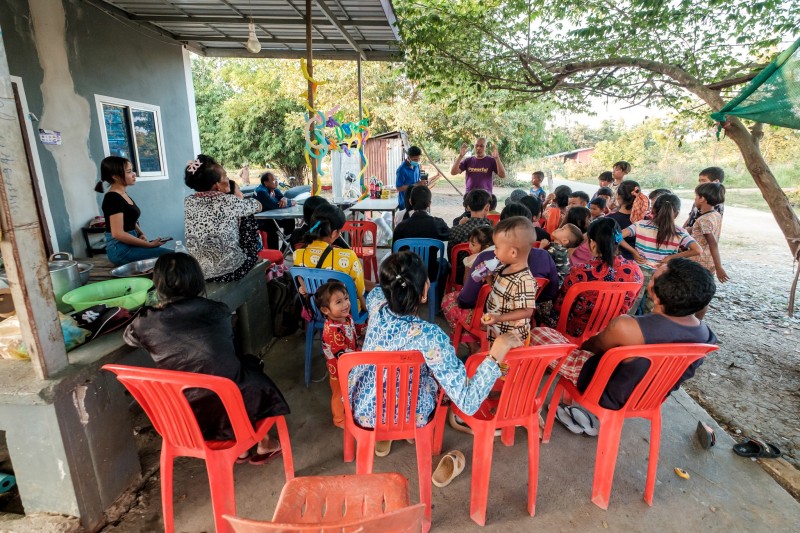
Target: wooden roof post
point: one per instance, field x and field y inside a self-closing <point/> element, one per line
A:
<point x="21" y="242"/>
<point x="310" y="67"/>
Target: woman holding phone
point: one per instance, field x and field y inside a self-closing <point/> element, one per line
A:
<point x="125" y="240"/>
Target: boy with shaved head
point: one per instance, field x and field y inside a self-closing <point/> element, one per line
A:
<point x="513" y="297"/>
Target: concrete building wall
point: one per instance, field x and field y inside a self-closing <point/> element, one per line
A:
<point x="66" y="52"/>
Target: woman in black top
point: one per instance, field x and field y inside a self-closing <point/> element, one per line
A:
<point x="125" y="240"/>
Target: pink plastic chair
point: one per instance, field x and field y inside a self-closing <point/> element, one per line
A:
<point x="452" y="282"/>
<point x="519" y="405"/>
<point x="368" y="253"/>
<point x="609" y="304"/>
<point x="392" y="369"/>
<point x="668" y="362"/>
<point x="161" y="395"/>
<point x="367" y="503"/>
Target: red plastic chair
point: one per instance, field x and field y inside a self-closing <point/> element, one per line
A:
<point x="368" y="253"/>
<point x="161" y="395"/>
<point x="393" y="369"/>
<point x="376" y="503"/>
<point x="609" y="304"/>
<point x="519" y="405"/>
<point x="494" y="218"/>
<point x="668" y="362"/>
<point x="474" y="327"/>
<point x="273" y="256"/>
<point x="452" y="283"/>
<point x="541" y="284"/>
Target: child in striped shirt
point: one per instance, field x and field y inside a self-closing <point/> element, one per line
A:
<point x="657" y="241"/>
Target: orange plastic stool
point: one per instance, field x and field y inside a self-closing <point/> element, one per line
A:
<point x="160" y="393"/>
<point x="519" y="405"/>
<point x="668" y="362"/>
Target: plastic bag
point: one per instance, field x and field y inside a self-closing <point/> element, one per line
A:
<point x="12" y="346"/>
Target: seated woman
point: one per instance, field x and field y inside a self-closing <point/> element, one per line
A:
<point x="394" y="326"/>
<point x="606" y="265"/>
<point x="225" y="249"/>
<point x="679" y="289"/>
<point x="125" y="240"/>
<point x="190" y="333"/>
<point x="458" y="306"/>
<point x="320" y="251"/>
<point x="421" y="225"/>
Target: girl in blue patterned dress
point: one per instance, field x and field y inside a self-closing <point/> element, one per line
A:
<point x="395" y="326"/>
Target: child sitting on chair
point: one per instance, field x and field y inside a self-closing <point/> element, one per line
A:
<point x="512" y="300"/>
<point x="566" y="237"/>
<point x="339" y="336"/>
<point x="479" y="240"/>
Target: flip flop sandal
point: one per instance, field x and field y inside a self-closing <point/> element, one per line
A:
<point x="263" y="458"/>
<point x="564" y="416"/>
<point x="451" y="465"/>
<point x="245" y="459"/>
<point x="584" y="419"/>
<point x="705" y="435"/>
<point x="383" y="447"/>
<point x="756" y="448"/>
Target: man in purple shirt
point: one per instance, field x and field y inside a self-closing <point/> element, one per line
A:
<point x="480" y="168"/>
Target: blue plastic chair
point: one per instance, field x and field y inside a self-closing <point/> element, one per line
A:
<point x="313" y="278"/>
<point x="422" y="247"/>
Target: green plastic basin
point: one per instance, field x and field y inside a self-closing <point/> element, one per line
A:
<point x="129" y="293"/>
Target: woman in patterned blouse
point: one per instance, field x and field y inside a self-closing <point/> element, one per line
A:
<point x="607" y="265"/>
<point x="225" y="248"/>
<point x="394" y="326"/>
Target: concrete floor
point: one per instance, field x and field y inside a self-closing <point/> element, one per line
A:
<point x="725" y="492"/>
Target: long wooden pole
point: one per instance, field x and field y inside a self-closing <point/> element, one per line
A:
<point x="310" y="67"/>
<point x="21" y="243"/>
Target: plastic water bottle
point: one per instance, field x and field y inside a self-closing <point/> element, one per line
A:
<point x="180" y="248"/>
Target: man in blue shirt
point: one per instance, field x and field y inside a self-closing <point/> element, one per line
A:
<point x="271" y="198"/>
<point x="408" y="176"/>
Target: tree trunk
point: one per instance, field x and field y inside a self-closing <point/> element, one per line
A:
<point x="766" y="182"/>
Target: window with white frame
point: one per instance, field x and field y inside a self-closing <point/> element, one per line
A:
<point x="133" y="130"/>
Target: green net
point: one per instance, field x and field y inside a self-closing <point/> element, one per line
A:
<point x="773" y="97"/>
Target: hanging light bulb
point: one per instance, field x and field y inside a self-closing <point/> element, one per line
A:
<point x="253" y="44"/>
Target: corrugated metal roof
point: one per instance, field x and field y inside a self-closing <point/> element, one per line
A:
<point x="342" y="29"/>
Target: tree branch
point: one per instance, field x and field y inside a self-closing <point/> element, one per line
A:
<point x="724" y="84"/>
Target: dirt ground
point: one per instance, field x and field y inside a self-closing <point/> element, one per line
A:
<point x="751" y="386"/>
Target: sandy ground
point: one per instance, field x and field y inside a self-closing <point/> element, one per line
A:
<point x="752" y="384"/>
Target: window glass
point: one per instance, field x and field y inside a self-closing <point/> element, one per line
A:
<point x="118" y="131"/>
<point x="145" y="132"/>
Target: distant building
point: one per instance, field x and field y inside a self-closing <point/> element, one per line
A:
<point x="581" y="155"/>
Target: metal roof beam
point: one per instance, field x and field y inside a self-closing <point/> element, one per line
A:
<point x="343" y="55"/>
<point x="335" y="21"/>
<point x="280" y="40"/>
<point x="277" y="21"/>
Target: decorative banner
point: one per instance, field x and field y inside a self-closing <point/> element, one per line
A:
<point x="341" y="136"/>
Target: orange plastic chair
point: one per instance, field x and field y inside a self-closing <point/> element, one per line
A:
<point x="368" y="253"/>
<point x="474" y="326"/>
<point x="494" y="218"/>
<point x="609" y="304"/>
<point x="160" y="393"/>
<point x="273" y="256"/>
<point x="376" y="503"/>
<point x="541" y="283"/>
<point x="668" y="362"/>
<point x="452" y="283"/>
<point x="397" y="388"/>
<point x="519" y="405"/>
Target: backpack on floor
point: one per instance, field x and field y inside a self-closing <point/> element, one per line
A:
<point x="285" y="305"/>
